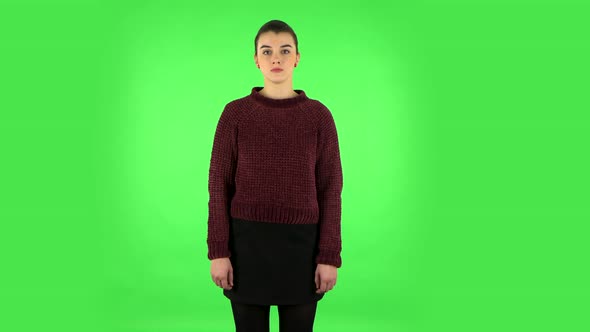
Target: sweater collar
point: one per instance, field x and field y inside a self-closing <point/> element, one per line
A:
<point x="278" y="103"/>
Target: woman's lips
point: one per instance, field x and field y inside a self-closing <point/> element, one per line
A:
<point x="276" y="70"/>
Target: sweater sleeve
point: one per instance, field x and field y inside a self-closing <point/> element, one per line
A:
<point x="221" y="184"/>
<point x="328" y="173"/>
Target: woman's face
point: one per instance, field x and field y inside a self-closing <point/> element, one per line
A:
<point x="276" y="51"/>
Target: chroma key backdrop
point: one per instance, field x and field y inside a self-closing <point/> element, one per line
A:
<point x="464" y="137"/>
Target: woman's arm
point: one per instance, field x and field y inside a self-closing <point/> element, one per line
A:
<point x="221" y="183"/>
<point x="329" y="188"/>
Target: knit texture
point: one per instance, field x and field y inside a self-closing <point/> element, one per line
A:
<point x="278" y="161"/>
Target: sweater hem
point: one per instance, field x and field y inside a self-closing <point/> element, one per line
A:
<point x="274" y="213"/>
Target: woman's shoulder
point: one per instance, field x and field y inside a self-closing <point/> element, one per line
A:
<point x="320" y="109"/>
<point x="316" y="105"/>
<point x="236" y="107"/>
<point x="233" y="110"/>
<point x="238" y="102"/>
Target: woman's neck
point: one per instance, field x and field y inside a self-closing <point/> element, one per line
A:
<point x="278" y="91"/>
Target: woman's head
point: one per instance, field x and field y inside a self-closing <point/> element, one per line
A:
<point x="276" y="26"/>
<point x="276" y="51"/>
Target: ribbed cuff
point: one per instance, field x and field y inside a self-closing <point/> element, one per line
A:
<point x="218" y="249"/>
<point x="329" y="257"/>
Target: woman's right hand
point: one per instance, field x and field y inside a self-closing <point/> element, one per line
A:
<point x="222" y="272"/>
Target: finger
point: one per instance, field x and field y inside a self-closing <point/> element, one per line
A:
<point x="231" y="277"/>
<point x="320" y="290"/>
<point x="224" y="283"/>
<point x="317" y="279"/>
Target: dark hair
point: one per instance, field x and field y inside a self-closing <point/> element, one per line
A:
<point x="276" y="26"/>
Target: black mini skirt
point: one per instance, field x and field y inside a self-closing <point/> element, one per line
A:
<point x="273" y="264"/>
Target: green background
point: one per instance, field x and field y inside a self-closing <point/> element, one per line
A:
<point x="464" y="134"/>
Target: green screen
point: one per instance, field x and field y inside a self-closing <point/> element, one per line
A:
<point x="464" y="136"/>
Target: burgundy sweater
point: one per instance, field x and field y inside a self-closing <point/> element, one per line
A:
<point x="276" y="160"/>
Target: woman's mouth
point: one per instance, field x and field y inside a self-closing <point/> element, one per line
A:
<point x="276" y="70"/>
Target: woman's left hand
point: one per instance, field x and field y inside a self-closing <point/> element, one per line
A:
<point x="325" y="277"/>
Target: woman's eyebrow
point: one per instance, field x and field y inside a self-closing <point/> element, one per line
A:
<point x="266" y="46"/>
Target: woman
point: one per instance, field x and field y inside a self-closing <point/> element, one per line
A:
<point x="275" y="184"/>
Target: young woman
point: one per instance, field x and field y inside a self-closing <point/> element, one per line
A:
<point x="275" y="183"/>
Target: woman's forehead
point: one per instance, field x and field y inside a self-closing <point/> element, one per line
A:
<point x="271" y="37"/>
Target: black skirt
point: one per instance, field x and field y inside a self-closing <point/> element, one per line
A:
<point x="273" y="264"/>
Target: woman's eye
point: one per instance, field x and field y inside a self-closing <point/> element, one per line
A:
<point x="268" y="52"/>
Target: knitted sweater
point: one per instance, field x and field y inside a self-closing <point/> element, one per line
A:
<point x="278" y="161"/>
